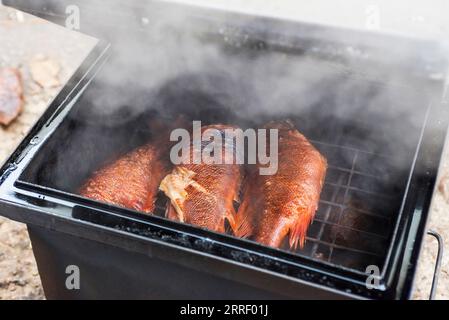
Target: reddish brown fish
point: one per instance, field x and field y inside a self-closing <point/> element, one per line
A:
<point x="284" y="203"/>
<point x="11" y="95"/>
<point x="131" y="181"/>
<point x="203" y="194"/>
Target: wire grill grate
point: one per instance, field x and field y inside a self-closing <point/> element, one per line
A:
<point x="354" y="220"/>
<point x="357" y="207"/>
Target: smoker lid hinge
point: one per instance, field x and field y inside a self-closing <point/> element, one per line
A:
<point x="438" y="262"/>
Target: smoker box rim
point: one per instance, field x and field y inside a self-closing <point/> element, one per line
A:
<point x="24" y="148"/>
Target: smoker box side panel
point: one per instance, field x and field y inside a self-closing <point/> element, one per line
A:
<point x="108" y="272"/>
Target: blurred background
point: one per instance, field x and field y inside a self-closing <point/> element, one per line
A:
<point x="46" y="55"/>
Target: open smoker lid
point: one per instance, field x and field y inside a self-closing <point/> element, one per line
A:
<point x="96" y="18"/>
<point x="114" y="19"/>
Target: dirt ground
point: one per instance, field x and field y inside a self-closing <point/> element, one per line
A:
<point x="28" y="43"/>
<point x="25" y="40"/>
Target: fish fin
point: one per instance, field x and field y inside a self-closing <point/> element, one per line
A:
<point x="242" y="225"/>
<point x="299" y="229"/>
<point x="231" y="217"/>
<point x="243" y="229"/>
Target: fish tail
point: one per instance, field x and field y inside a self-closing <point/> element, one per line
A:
<point x="299" y="229"/>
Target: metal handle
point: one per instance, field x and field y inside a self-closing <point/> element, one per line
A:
<point x="438" y="261"/>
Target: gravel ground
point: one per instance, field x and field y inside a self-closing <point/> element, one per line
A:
<point x="19" y="278"/>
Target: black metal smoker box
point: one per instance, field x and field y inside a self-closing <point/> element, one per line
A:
<point x="375" y="105"/>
